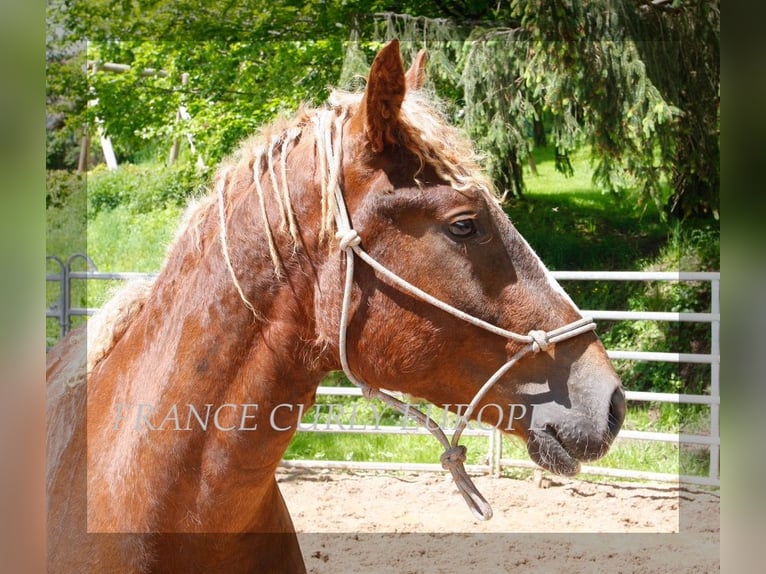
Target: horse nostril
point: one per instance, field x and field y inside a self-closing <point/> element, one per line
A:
<point x="616" y="411"/>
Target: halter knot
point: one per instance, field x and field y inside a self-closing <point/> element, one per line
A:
<point x="453" y="456"/>
<point x="348" y="238"/>
<point x="539" y="340"/>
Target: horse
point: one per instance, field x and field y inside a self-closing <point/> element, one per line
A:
<point x="169" y="413"/>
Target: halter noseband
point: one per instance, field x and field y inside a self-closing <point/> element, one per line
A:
<point x="454" y="454"/>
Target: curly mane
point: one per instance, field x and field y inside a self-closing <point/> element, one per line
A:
<point x="423" y="131"/>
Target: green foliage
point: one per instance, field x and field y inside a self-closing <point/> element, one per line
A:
<point x="126" y="240"/>
<point x="62" y="148"/>
<point x="133" y="213"/>
<point x="60" y="186"/>
<point x="696" y="249"/>
<point x="253" y="21"/>
<point x="573" y="226"/>
<point x="66" y="90"/>
<point x="680" y="48"/>
<point x="66" y="224"/>
<point x="65" y="234"/>
<point x="119" y="230"/>
<point x="142" y="188"/>
<point x="227" y="88"/>
<point x="498" y="117"/>
<point x="638" y="83"/>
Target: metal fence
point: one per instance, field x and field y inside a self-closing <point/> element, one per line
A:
<point x="62" y="310"/>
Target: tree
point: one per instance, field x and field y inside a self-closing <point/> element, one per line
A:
<point x="232" y="88"/>
<point x="247" y="61"/>
<point x="66" y="89"/>
<point x="679" y="44"/>
<point x="636" y="80"/>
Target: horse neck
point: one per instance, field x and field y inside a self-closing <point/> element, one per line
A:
<point x="195" y="342"/>
<point x="199" y="320"/>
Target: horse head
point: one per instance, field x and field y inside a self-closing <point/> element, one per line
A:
<point x="420" y="207"/>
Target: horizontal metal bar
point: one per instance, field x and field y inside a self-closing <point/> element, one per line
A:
<point x="645" y="475"/>
<point x="669" y="437"/>
<point x="563" y="275"/>
<point x="630" y="395"/>
<point x="81" y="312"/>
<point x="663" y="357"/>
<point x="672" y="398"/>
<point x="652" y="316"/>
<point x="419" y="431"/>
<point x="625" y="473"/>
<point x="637" y="275"/>
<point x="110" y="276"/>
<point x="383" y="429"/>
<point x="711" y="442"/>
<point x="340" y="391"/>
<point x="484" y="469"/>
<point x="370" y="465"/>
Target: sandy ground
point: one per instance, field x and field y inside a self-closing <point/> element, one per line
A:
<point x="410" y="523"/>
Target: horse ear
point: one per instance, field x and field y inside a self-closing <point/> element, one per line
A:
<point x="383" y="97"/>
<point x="416" y="75"/>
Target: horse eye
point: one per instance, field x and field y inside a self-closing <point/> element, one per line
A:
<point x="462" y="228"/>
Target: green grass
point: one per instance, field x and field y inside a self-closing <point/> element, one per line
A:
<point x="358" y="412"/>
<point x="116" y="240"/>
<point x="633" y="454"/>
<point x="574" y="226"/>
<point x="66" y="221"/>
<point x="120" y="240"/>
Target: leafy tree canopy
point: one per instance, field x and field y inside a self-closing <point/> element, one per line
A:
<point x="637" y="80"/>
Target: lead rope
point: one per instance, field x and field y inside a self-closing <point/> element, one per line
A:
<point x="454" y="455"/>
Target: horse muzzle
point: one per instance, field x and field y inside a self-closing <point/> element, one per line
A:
<point x="558" y="441"/>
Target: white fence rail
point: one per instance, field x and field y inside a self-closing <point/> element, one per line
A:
<point x="713" y="399"/>
<point x="63" y="311"/>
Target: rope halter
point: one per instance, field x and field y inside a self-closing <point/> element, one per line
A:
<point x="454" y="455"/>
